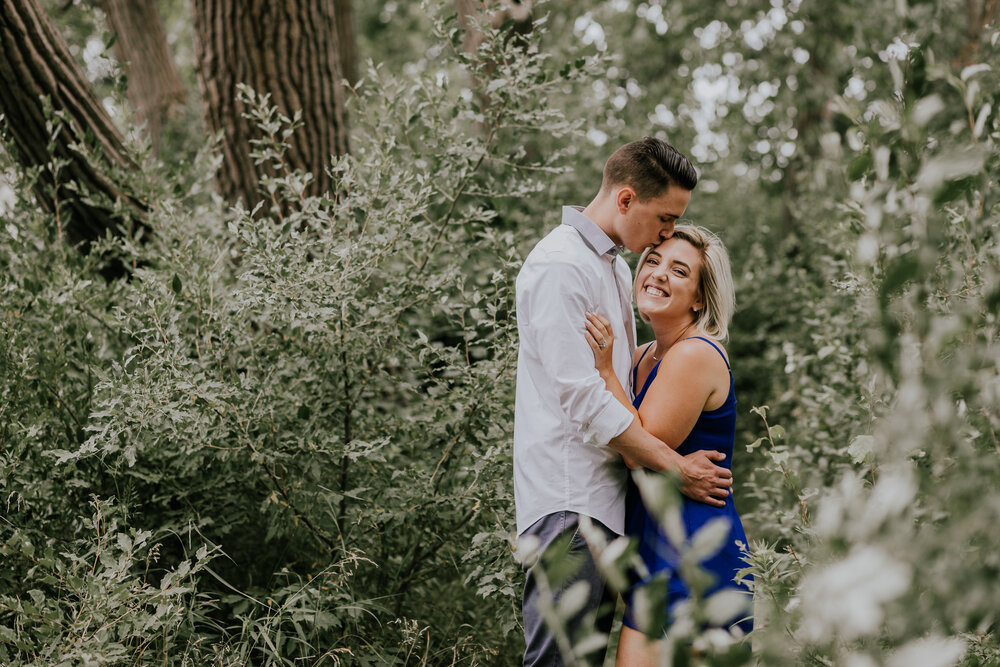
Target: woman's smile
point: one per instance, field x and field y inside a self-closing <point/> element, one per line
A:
<point x="653" y="290"/>
<point x="669" y="275"/>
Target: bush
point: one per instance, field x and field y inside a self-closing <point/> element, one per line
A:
<point x="317" y="393"/>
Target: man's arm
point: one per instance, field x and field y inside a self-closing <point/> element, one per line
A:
<point x="701" y="479"/>
<point x="553" y="296"/>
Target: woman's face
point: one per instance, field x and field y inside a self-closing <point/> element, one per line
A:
<point x="668" y="282"/>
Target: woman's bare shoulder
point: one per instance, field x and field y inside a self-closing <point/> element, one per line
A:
<point x="697" y="350"/>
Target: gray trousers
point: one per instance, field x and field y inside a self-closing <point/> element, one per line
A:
<point x="597" y="615"/>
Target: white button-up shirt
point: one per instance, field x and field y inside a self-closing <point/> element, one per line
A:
<point x="564" y="416"/>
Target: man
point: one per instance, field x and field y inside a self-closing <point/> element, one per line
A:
<point x="569" y="431"/>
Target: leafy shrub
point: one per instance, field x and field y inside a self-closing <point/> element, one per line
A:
<point x="316" y="392"/>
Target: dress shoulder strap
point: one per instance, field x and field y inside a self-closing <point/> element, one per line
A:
<point x="635" y="368"/>
<point x="713" y="345"/>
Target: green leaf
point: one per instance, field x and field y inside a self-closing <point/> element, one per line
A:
<point x="862" y="449"/>
<point x="779" y="458"/>
<point x="573" y="599"/>
<point x="709" y="539"/>
<point x="860" y="166"/>
<point x="950" y="165"/>
<point x="899" y="271"/>
<point x="972" y="70"/>
<point x="727" y="604"/>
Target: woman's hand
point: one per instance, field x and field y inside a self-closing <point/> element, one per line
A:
<point x="602" y="341"/>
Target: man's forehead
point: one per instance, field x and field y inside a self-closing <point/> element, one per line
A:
<point x="674" y="201"/>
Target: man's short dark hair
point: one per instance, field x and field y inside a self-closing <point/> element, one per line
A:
<point x="649" y="166"/>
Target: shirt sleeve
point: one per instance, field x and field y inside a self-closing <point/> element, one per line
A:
<point x="553" y="300"/>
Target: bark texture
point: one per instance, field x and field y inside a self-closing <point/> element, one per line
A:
<point x="36" y="63"/>
<point x="470" y="11"/>
<point x="154" y="85"/>
<point x="347" y="39"/>
<point x="471" y="14"/>
<point x="287" y="49"/>
<point x="978" y="15"/>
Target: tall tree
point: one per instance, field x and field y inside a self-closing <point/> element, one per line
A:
<point x="154" y="85"/>
<point x="978" y="15"/>
<point x="472" y="11"/>
<point x="288" y="50"/>
<point x="35" y="66"/>
<point x="347" y="39"/>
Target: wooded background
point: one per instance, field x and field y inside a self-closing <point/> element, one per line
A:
<point x="256" y="297"/>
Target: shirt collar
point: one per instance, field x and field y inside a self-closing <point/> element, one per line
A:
<point x="591" y="234"/>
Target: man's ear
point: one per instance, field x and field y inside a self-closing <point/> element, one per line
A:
<point x="624" y="198"/>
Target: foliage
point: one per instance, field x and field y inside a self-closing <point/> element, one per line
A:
<point x="286" y="436"/>
<point x="869" y="487"/>
<point x="317" y="392"/>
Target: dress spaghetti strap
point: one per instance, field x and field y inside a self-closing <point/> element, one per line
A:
<point x="635" y="368"/>
<point x="713" y="345"/>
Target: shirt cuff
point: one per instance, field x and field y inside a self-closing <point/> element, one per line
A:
<point x="609" y="423"/>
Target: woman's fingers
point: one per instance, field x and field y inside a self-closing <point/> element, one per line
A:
<point x="600" y="319"/>
<point x="595" y="331"/>
<point x="600" y="327"/>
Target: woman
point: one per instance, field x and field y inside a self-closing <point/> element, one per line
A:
<point x="684" y="396"/>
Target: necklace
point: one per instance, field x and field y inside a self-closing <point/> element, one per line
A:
<point x="683" y="331"/>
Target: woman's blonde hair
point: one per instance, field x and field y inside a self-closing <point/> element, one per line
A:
<point x="715" y="280"/>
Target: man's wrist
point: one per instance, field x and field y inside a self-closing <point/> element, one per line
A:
<point x="682" y="467"/>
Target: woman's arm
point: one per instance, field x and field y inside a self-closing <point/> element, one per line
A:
<point x="689" y="375"/>
<point x="702" y="480"/>
<point x="599" y="329"/>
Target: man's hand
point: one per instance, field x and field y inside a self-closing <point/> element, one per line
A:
<point x="704" y="481"/>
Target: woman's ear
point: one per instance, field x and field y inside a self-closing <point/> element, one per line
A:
<point x="699" y="304"/>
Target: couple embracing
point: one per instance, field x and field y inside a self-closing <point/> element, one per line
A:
<point x="590" y="404"/>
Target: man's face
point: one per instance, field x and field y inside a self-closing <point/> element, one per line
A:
<point x="647" y="223"/>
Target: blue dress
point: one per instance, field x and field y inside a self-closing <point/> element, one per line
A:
<point x="714" y="430"/>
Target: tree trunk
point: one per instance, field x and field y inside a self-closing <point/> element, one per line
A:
<point x="287" y="49"/>
<point x="35" y="63"/>
<point x="154" y="86"/>
<point x="978" y="15"/>
<point x="347" y="39"/>
<point x="470" y="11"/>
